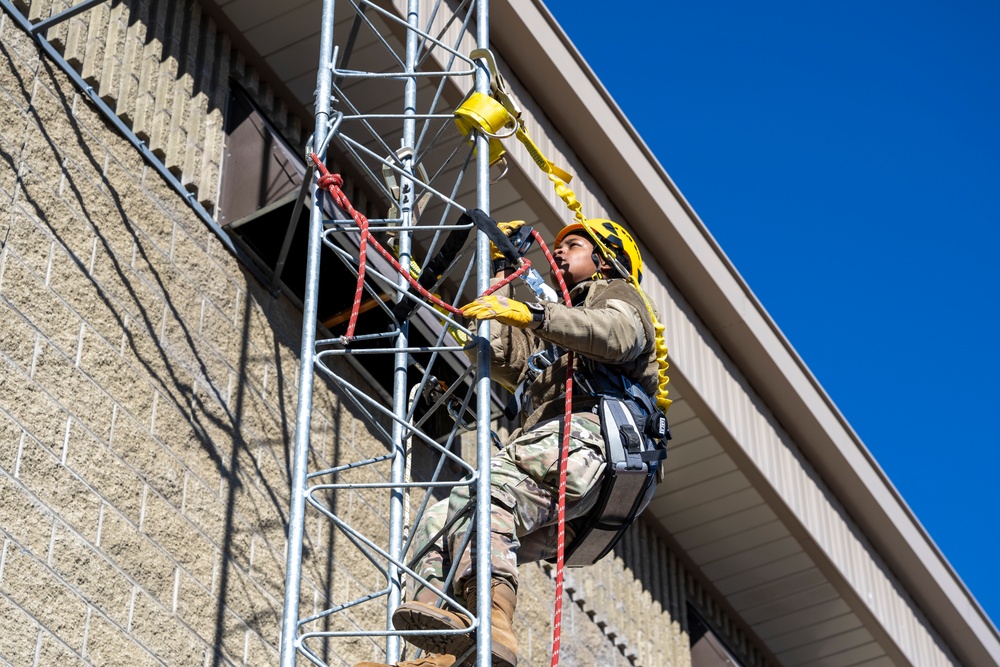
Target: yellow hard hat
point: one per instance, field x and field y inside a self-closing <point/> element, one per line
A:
<point x="613" y="243"/>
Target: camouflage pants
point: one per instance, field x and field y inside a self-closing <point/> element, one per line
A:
<point x="524" y="505"/>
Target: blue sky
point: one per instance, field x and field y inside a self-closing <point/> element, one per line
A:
<point x="847" y="158"/>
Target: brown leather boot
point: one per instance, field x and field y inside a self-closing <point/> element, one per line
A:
<point x="426" y="661"/>
<point x="504" y="640"/>
<point x="420" y="616"/>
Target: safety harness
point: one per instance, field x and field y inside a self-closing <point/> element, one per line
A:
<point x="635" y="434"/>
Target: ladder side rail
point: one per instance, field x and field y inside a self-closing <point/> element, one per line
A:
<point x="483" y="439"/>
<point x="298" y="481"/>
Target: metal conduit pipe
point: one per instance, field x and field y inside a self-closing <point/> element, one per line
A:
<point x="401" y="364"/>
<point x="484" y="546"/>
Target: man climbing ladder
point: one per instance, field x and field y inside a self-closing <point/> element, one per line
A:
<point x="611" y="333"/>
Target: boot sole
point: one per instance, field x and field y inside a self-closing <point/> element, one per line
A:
<point x="457" y="644"/>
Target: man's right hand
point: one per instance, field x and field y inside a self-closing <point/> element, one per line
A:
<point x="509" y="229"/>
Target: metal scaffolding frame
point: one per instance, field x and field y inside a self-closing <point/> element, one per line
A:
<point x="430" y="179"/>
<point x="422" y="217"/>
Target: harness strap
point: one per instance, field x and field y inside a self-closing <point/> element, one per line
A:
<point x="488" y="226"/>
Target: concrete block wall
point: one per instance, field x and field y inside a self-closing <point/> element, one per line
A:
<point x="146" y="390"/>
<point x="163" y="66"/>
<point x="148" y="383"/>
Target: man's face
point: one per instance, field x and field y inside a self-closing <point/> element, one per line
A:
<point x="575" y="259"/>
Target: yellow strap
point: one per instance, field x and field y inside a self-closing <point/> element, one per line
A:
<point x="662" y="401"/>
<point x="557" y="176"/>
<point x="543" y="163"/>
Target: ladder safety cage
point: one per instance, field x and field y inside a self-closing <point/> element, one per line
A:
<point x="390" y="77"/>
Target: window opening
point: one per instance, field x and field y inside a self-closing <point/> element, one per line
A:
<point x="261" y="182"/>
<point x="707" y="648"/>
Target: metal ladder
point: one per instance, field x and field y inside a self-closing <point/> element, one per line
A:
<point x="415" y="158"/>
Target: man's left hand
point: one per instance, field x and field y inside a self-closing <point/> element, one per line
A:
<point x="503" y="310"/>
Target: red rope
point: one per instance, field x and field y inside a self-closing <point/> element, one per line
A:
<point x="333" y="183"/>
<point x="563" y="460"/>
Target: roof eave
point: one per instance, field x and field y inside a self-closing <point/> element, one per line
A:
<point x="557" y="76"/>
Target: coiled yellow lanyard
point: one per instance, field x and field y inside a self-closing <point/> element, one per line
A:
<point x="499" y="117"/>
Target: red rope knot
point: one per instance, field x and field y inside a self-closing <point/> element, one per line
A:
<point x="328" y="179"/>
<point x="333" y="183"/>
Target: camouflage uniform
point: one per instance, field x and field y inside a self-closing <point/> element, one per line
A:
<point x="609" y="324"/>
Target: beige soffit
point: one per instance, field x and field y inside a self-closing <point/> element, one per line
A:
<point x="547" y="63"/>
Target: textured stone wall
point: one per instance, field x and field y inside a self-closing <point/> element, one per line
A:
<point x="146" y="389"/>
<point x="148" y="383"/>
<point x="163" y="66"/>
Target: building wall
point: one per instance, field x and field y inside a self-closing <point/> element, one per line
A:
<point x="143" y="398"/>
<point x="148" y="382"/>
<point x="163" y="66"/>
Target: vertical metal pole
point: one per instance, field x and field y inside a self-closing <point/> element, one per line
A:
<point x="483" y="443"/>
<point x="296" y="515"/>
<point x="399" y="388"/>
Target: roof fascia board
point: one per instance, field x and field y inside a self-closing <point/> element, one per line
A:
<point x="558" y="78"/>
<point x="850" y="594"/>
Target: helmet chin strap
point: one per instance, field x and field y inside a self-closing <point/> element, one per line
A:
<point x="614" y="265"/>
<point x="598" y="274"/>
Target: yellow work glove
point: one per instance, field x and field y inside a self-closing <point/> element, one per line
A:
<point x="456" y="333"/>
<point x="505" y="311"/>
<point x="508" y="228"/>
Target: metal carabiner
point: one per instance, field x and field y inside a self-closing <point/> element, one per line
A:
<point x="498" y="85"/>
<point x="533" y="369"/>
<point x="389" y="176"/>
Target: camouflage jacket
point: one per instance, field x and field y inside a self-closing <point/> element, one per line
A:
<point x="608" y="323"/>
